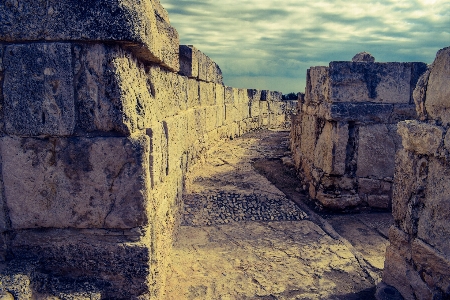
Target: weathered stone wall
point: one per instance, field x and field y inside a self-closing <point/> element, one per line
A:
<point x="418" y="258"/>
<point x="344" y="139"/>
<point x="98" y="129"/>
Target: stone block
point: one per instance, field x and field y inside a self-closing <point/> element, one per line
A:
<point x="38" y="90"/>
<point x="437" y="102"/>
<point x="203" y="65"/>
<point x="358" y="112"/>
<point x="369" y="186"/>
<point x="193" y="93"/>
<point x="421" y="138"/>
<point x="113" y="91"/>
<point x="140" y="26"/>
<point x="309" y="137"/>
<point x="159" y="157"/>
<point x="317" y="85"/>
<point x="231" y="95"/>
<point x="214" y="73"/>
<point x="207" y="93"/>
<point x="434" y="264"/>
<point x="75" y="182"/>
<point x="189" y="61"/>
<point x="433" y="218"/>
<point x="115" y="262"/>
<point x="220" y="94"/>
<point x="370" y="82"/>
<point x="401" y="112"/>
<point x="330" y="150"/>
<point x="379" y="201"/>
<point x="176" y="127"/>
<point x="376" y="152"/>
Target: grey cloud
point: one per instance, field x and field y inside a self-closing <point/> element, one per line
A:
<point x="272" y="39"/>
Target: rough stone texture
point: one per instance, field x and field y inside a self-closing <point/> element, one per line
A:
<point x="141" y="26"/>
<point x="363" y="57"/>
<point x="422" y="138"/>
<point x="417" y="260"/>
<point x="344" y="139"/>
<point x="438" y="90"/>
<point x="75" y="182"/>
<point x="38" y="89"/>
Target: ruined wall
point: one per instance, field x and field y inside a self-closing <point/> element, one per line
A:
<point x="418" y="258"/>
<point x="344" y="137"/>
<point x="97" y="131"/>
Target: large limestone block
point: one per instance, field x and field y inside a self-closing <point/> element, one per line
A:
<point x="371" y="82"/>
<point x="421" y="138"/>
<point x="437" y="101"/>
<point x="176" y="131"/>
<point x="75" y="182"/>
<point x="330" y="151"/>
<point x="38" y="89"/>
<point x="309" y="137"/>
<point x="433" y="219"/>
<point x="207" y="93"/>
<point x="117" y="263"/>
<point x="139" y="25"/>
<point x="159" y="157"/>
<point x="231" y="95"/>
<point x="220" y="94"/>
<point x="189" y="61"/>
<point x="357" y="112"/>
<point x="376" y="151"/>
<point x="317" y="85"/>
<point x="193" y="93"/>
<point x="113" y="91"/>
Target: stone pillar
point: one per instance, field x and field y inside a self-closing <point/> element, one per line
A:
<point x="418" y="257"/>
<point x="344" y="138"/>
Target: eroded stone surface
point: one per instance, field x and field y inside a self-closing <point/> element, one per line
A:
<point x="75" y="182"/>
<point x="133" y="23"/>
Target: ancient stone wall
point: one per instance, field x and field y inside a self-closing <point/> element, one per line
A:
<point x="98" y="129"/>
<point x="344" y="138"/>
<point x="418" y="258"/>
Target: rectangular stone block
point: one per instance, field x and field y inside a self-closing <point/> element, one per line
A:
<point x="137" y="25"/>
<point x="76" y="182"/>
<point x="220" y="94"/>
<point x="330" y="150"/>
<point x="358" y="112"/>
<point x="214" y="73"/>
<point x="231" y="95"/>
<point x="433" y="218"/>
<point x="317" y="85"/>
<point x="189" y="61"/>
<point x="376" y="152"/>
<point x="422" y="138"/>
<point x="176" y="129"/>
<point x="159" y="157"/>
<point x="207" y="93"/>
<point x="437" y="89"/>
<point x="113" y="91"/>
<point x="38" y="90"/>
<point x="203" y="65"/>
<point x="193" y="93"/>
<point x="371" y="82"/>
<point x="116" y="263"/>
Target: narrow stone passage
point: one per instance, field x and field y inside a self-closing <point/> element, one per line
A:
<point x="244" y="238"/>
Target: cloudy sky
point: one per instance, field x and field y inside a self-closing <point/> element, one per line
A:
<point x="268" y="44"/>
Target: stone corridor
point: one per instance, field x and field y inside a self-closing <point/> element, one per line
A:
<point x="243" y="237"/>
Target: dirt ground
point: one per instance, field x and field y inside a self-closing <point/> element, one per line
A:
<point x="319" y="255"/>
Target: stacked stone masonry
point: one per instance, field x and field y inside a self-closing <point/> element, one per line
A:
<point x="344" y="139"/>
<point x="100" y="120"/>
<point x="418" y="258"/>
